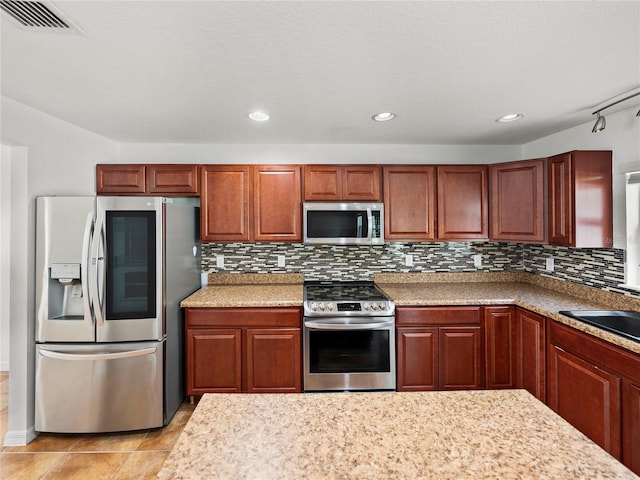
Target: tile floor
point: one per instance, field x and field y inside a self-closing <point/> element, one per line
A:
<point x="135" y="455"/>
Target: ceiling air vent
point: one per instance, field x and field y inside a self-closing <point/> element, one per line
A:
<point x="31" y="14"/>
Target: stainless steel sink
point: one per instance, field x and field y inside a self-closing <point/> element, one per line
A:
<point x="621" y="322"/>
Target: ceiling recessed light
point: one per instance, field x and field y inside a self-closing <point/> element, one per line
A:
<point x="511" y="117"/>
<point x="259" y="116"/>
<point x="384" y="116"/>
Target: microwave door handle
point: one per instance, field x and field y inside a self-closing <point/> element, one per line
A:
<point x="96" y="284"/>
<point x="359" y="225"/>
<point x="369" y="223"/>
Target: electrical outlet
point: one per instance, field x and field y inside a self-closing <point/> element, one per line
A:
<point x="550" y="266"/>
<point x="220" y="261"/>
<point x="281" y="260"/>
<point x="408" y="260"/>
<point x="477" y="261"/>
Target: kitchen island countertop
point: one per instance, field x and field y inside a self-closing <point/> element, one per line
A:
<point x="501" y="434"/>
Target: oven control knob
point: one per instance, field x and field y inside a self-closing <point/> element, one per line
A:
<point x="331" y="307"/>
<point x="368" y="307"/>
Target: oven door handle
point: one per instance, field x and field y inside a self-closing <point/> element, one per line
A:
<point x="341" y="325"/>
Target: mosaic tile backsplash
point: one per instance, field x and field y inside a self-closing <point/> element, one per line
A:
<point x="600" y="268"/>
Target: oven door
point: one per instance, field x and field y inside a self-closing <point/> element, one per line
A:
<point x="347" y="353"/>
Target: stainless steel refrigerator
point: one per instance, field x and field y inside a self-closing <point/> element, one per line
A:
<point x="110" y="273"/>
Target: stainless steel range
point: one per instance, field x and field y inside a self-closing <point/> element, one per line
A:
<point x="349" y="337"/>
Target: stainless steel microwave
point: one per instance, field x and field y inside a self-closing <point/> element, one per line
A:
<point x="348" y="223"/>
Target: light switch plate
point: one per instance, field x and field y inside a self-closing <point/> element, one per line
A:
<point x="220" y="261"/>
<point x="281" y="260"/>
<point x="477" y="261"/>
<point x="408" y="260"/>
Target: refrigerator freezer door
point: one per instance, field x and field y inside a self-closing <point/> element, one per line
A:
<point x="99" y="388"/>
<point x="126" y="269"/>
<point x="63" y="230"/>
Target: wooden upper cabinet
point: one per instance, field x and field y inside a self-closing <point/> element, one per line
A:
<point x="277" y="203"/>
<point x="361" y="182"/>
<point x="322" y="182"/>
<point x="114" y="179"/>
<point x="517" y="201"/>
<point x="580" y="211"/>
<point x="409" y="202"/>
<point x="173" y="179"/>
<point x="152" y="179"/>
<point x="224" y="205"/>
<point x="341" y="182"/>
<point x="463" y="208"/>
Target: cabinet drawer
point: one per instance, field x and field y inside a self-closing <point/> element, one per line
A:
<point x="243" y="317"/>
<point x="438" y="316"/>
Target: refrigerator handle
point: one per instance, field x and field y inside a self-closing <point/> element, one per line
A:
<point x="98" y="356"/>
<point x="84" y="268"/>
<point x="96" y="261"/>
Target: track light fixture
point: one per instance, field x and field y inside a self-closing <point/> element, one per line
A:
<point x="601" y="123"/>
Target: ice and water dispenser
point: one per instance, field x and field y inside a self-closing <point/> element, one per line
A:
<point x="65" y="292"/>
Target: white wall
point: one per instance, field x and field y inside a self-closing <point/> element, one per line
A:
<point x="622" y="136"/>
<point x="49" y="157"/>
<point x="62" y="156"/>
<point x="5" y="254"/>
<point x="288" y="154"/>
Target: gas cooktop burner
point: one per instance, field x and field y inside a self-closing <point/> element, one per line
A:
<point x="345" y="298"/>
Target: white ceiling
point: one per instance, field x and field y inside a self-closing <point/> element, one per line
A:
<point x="191" y="71"/>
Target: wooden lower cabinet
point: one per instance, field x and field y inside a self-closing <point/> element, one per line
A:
<point x="500" y="347"/>
<point x="417" y="352"/>
<point x="273" y="360"/>
<point x="531" y="358"/>
<point x="595" y="386"/>
<point x="438" y="348"/>
<point x="233" y="350"/>
<point x="460" y="358"/>
<point x="214" y="361"/>
<point x="631" y="425"/>
<point x="587" y="397"/>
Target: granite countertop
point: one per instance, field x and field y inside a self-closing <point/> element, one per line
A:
<point x="254" y="295"/>
<point x="547" y="299"/>
<point x="248" y="290"/>
<point x="544" y="296"/>
<point x="492" y="434"/>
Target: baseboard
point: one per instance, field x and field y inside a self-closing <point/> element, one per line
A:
<point x="19" y="438"/>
